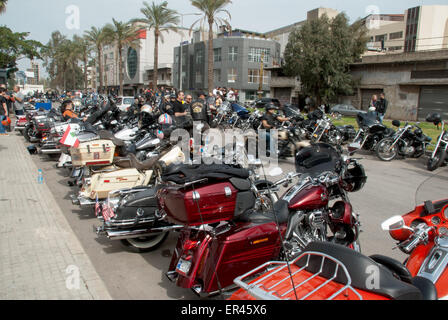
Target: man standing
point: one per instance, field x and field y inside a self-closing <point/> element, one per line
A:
<point x="19" y="101"/>
<point x="181" y="112"/>
<point x="200" y="111"/>
<point x="382" y="107"/>
<point x="3" y="110"/>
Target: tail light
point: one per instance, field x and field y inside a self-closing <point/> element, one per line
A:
<point x="190" y="245"/>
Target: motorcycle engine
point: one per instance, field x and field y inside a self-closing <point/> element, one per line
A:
<point x="407" y="149"/>
<point x="312" y="226"/>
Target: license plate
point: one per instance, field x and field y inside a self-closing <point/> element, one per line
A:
<point x="183" y="266"/>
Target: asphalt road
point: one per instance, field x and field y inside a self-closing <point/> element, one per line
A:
<point x="390" y="190"/>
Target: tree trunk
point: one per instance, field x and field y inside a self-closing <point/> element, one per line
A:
<point x="210" y="56"/>
<point x="120" y="68"/>
<point x="100" y="67"/>
<point x="156" y="60"/>
<point x="85" y="72"/>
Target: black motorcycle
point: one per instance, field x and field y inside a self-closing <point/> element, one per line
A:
<point x="371" y="131"/>
<point x="408" y="142"/>
<point x="438" y="157"/>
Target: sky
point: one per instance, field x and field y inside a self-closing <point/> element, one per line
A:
<point x="41" y="17"/>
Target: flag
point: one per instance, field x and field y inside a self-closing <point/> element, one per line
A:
<point x="70" y="139"/>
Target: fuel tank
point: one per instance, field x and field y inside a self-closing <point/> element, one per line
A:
<point x="307" y="197"/>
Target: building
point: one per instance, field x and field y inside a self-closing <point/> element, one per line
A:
<point x="33" y="74"/>
<point x="138" y="62"/>
<point x="415" y="83"/>
<point x="240" y="58"/>
<point x="426" y="28"/>
<point x="418" y="29"/>
<point x="387" y="32"/>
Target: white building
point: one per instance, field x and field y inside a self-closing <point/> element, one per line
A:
<point x="138" y="63"/>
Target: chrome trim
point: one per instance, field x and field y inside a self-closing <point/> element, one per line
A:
<point x="122" y="235"/>
<point x="435" y="263"/>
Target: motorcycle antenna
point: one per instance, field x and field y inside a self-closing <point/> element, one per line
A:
<point x="281" y="238"/>
<point x="421" y="185"/>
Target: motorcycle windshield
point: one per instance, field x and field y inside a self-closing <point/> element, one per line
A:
<point x="291" y="111"/>
<point x="367" y="119"/>
<point x="239" y="109"/>
<point x="318" y="158"/>
<point x="433" y="188"/>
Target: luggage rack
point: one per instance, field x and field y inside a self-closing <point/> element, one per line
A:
<point x="260" y="290"/>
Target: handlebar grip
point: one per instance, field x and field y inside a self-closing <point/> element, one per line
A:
<point x="409" y="247"/>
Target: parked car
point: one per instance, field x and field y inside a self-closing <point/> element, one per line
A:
<point x="124" y="103"/>
<point x="344" y="110"/>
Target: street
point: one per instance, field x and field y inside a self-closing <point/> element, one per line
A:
<point x="390" y="190"/>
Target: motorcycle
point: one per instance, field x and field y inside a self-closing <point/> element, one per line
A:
<point x="331" y="272"/>
<point x="325" y="131"/>
<point x="222" y="237"/>
<point x="408" y="141"/>
<point x="371" y="131"/>
<point x="132" y="215"/>
<point x="438" y="157"/>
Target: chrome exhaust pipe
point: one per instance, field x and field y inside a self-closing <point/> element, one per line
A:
<point x="50" y="151"/>
<point x="122" y="235"/>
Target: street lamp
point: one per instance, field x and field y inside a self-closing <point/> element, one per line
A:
<point x="181" y="44"/>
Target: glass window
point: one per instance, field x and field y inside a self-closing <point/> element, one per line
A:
<point x="233" y="54"/>
<point x="232" y="75"/>
<point x="217" y="55"/>
<point x="199" y="56"/>
<point x="253" y="76"/>
<point x="132" y="63"/>
<point x="255" y="54"/>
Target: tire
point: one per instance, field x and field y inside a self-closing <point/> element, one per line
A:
<point x="436" y="162"/>
<point x="146" y="244"/>
<point x="27" y="132"/>
<point x="381" y="148"/>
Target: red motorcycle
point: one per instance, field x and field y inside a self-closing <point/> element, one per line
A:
<point x="327" y="271"/>
<point x="223" y="238"/>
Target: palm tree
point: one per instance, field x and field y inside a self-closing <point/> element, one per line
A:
<point x="51" y="61"/>
<point x="83" y="49"/>
<point x="64" y="55"/>
<point x="97" y="37"/>
<point x="161" y="19"/>
<point x="122" y="35"/>
<point x="3" y="6"/>
<point x="210" y="10"/>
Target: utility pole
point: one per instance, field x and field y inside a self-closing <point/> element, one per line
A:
<point x="260" y="86"/>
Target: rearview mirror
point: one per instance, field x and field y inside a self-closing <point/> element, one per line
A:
<point x="394" y="223"/>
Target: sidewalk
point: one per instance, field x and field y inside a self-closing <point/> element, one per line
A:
<point x="40" y="257"/>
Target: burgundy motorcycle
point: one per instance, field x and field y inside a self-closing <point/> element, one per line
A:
<point x="223" y="238"/>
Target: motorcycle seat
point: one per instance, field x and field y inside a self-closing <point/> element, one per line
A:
<point x="106" y="135"/>
<point x="280" y="214"/>
<point x="124" y="163"/>
<point x="240" y="184"/>
<point x="145" y="165"/>
<point x="362" y="270"/>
